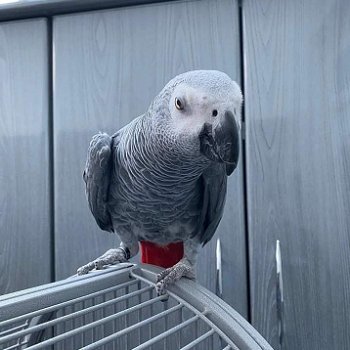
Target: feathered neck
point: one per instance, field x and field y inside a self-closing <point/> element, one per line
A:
<point x="158" y="149"/>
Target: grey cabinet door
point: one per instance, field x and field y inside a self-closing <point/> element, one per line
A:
<point x="297" y="106"/>
<point x="109" y="65"/>
<point x="24" y="167"/>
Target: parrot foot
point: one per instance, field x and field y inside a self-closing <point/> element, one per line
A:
<point x="112" y="256"/>
<point x="169" y="276"/>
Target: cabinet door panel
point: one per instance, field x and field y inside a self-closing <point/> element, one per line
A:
<point x="24" y="162"/>
<point x="297" y="108"/>
<point x="109" y="65"/>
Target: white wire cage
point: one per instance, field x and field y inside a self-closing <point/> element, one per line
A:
<point x="118" y="308"/>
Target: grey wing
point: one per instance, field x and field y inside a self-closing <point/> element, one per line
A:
<point x="97" y="173"/>
<point x="214" y="182"/>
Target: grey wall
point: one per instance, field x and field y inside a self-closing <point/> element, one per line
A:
<point x="297" y="104"/>
<point x="25" y="257"/>
<point x="292" y="183"/>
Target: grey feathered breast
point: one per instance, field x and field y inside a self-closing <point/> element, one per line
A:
<point x="127" y="185"/>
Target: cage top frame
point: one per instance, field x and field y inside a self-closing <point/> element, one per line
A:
<point x="221" y="318"/>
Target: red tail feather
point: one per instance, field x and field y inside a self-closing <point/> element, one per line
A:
<point x="163" y="256"/>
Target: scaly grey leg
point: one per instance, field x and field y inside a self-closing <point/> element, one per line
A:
<point x="112" y="256"/>
<point x="184" y="268"/>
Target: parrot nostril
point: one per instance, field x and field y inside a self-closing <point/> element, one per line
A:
<point x="215" y="113"/>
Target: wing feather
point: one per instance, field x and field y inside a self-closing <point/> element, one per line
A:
<point x="214" y="182"/>
<point x="96" y="176"/>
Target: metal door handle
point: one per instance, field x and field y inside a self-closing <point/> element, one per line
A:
<point x="279" y="293"/>
<point x="218" y="288"/>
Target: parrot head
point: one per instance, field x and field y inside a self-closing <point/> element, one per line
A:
<point x="202" y="111"/>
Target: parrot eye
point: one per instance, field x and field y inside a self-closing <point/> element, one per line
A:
<point x="215" y="112"/>
<point x="179" y="104"/>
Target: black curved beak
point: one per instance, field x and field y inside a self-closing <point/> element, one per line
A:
<point x="221" y="144"/>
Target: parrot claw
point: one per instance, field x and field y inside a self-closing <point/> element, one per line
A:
<point x="169" y="276"/>
<point x="112" y="256"/>
<point x="83" y="270"/>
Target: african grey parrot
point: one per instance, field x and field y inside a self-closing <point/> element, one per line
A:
<point x="162" y="178"/>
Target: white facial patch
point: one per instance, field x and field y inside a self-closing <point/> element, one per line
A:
<point x="197" y="109"/>
<point x="200" y="107"/>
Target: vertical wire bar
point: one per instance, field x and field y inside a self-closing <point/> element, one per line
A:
<point x="71" y="310"/>
<point x="85" y="317"/>
<point x="139" y="312"/>
<point x="84" y="321"/>
<point x="151" y="313"/>
<point x="165" y="307"/>
<point x="54" y="330"/>
<point x="153" y="327"/>
<point x="94" y="318"/>
<point x="182" y="319"/>
<point x="114" y="323"/>
<point x="127" y="318"/>
<point x="74" y="324"/>
<point x="81" y="338"/>
<point x="63" y="330"/>
<point x="212" y="342"/>
<point x="103" y="311"/>
<point x="196" y="329"/>
<point x="179" y="334"/>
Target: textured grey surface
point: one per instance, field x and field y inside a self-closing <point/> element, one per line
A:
<point x="101" y="84"/>
<point x="298" y="130"/>
<point x="24" y="180"/>
<point x="19" y="9"/>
